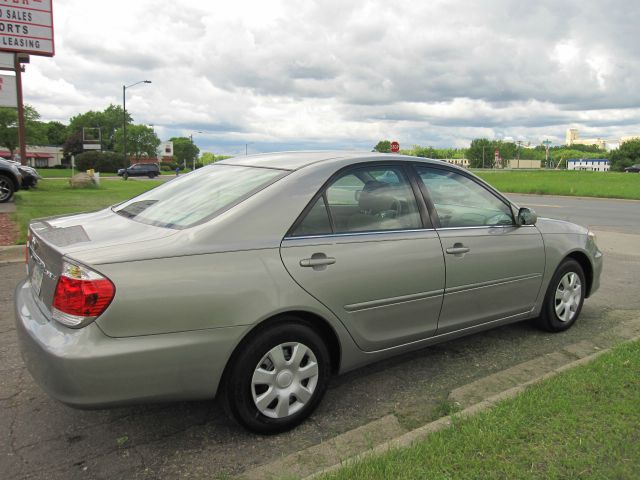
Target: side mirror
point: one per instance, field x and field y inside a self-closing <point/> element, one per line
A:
<point x="527" y="216"/>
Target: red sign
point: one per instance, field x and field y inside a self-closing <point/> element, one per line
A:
<point x="395" y="146"/>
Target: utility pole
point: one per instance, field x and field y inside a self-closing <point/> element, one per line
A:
<point x="483" y="156"/>
<point x="546" y="143"/>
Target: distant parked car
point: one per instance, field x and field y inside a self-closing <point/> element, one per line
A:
<point x="30" y="175"/>
<point x="257" y="278"/>
<point x="150" y="170"/>
<point x="633" y="168"/>
<point x="10" y="180"/>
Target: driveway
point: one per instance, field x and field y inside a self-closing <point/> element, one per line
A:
<point x="45" y="439"/>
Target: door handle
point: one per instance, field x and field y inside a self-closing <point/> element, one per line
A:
<point x="317" y="262"/>
<point x="458" y="249"/>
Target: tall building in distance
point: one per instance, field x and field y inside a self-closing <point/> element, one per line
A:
<point x="573" y="138"/>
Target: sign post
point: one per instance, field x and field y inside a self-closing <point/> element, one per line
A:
<point x="26" y="27"/>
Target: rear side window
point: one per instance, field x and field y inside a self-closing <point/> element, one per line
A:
<point x="365" y="199"/>
<point x="197" y="197"/>
<point x="316" y="222"/>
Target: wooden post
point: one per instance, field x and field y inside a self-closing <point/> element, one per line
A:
<point x="21" y="130"/>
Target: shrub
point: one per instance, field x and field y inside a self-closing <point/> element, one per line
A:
<point x="104" y="162"/>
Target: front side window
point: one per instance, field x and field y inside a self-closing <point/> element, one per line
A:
<point x="461" y="202"/>
<point x="364" y="200"/>
<point x="197" y="197"/>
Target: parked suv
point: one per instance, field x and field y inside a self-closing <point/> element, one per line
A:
<point x="10" y="180"/>
<point x="150" y="170"/>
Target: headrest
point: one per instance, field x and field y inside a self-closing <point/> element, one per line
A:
<point x="375" y="202"/>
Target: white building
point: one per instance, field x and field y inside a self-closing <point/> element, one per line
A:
<point x="588" y="164"/>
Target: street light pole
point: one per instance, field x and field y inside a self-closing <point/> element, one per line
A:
<point x="124" y="116"/>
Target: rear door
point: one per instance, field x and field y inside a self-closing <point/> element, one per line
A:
<point x="365" y="248"/>
<point x="494" y="267"/>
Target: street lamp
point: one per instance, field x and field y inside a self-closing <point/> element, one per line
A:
<point x="194" y="157"/>
<point x="124" y="116"/>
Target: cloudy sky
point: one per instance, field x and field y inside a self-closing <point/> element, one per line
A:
<point x="344" y="74"/>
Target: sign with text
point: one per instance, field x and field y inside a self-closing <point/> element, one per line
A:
<point x="27" y="26"/>
<point x="8" y="95"/>
<point x="395" y="146"/>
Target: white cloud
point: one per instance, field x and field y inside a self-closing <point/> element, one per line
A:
<point x="337" y="73"/>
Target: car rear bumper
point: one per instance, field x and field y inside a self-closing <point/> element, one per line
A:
<point x="85" y="368"/>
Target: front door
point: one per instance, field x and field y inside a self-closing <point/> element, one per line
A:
<point x="494" y="267"/>
<point x="364" y="251"/>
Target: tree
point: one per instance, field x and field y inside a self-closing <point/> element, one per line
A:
<point x="72" y="146"/>
<point x="56" y="133"/>
<point x="185" y="152"/>
<point x="207" y="158"/>
<point x="475" y="153"/>
<point x="626" y="155"/>
<point x="108" y="121"/>
<point x="9" y="128"/>
<point x="383" y="146"/>
<point x="142" y="141"/>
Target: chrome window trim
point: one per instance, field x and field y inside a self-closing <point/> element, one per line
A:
<point x="358" y="234"/>
<point x="483" y="226"/>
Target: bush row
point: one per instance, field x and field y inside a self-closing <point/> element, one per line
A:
<point x="103" y="162"/>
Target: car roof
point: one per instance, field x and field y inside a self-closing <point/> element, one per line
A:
<point x="297" y="160"/>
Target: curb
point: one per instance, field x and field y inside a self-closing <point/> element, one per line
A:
<point x="12" y="254"/>
<point x="383" y="434"/>
<point x="419" y="433"/>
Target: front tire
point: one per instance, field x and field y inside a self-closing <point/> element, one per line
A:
<point x="277" y="378"/>
<point x="7" y="188"/>
<point x="564" y="298"/>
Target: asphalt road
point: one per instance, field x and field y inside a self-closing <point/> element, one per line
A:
<point x="44" y="439"/>
<point x="599" y="214"/>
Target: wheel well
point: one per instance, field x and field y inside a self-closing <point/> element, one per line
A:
<point x="313" y="321"/>
<point x="584" y="262"/>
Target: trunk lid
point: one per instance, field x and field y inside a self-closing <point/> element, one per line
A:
<point x="54" y="238"/>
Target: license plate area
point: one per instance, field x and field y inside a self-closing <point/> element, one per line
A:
<point x="36" y="278"/>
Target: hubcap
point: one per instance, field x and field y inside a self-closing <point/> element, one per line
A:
<point x="284" y="380"/>
<point x="568" y="297"/>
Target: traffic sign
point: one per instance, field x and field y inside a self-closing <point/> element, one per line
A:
<point x="395" y="146"/>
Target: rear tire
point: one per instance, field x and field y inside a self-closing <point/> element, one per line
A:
<point x="564" y="298"/>
<point x="7" y="189"/>
<point x="277" y="378"/>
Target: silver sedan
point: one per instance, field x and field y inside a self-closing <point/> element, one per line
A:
<point x="257" y="278"/>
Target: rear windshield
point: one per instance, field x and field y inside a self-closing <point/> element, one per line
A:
<point x="197" y="197"/>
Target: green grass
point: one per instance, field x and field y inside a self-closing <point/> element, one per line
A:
<point x="584" y="423"/>
<point x="56" y="197"/>
<point x="563" y="182"/>
<point x="66" y="172"/>
<point x="55" y="172"/>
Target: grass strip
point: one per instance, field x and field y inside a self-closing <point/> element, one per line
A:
<point x="583" y="423"/>
<point x="564" y="182"/>
<point x="56" y="197"/>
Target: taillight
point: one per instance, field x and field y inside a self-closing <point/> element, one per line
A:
<point x="81" y="295"/>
